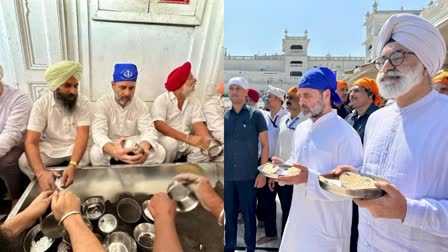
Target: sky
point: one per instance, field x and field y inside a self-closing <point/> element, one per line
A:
<point x="334" y="26"/>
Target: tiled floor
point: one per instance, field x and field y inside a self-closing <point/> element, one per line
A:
<point x="270" y="246"/>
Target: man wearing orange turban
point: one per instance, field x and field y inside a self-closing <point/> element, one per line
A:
<point x="341" y="108"/>
<point x="363" y="96"/>
<point x="177" y="115"/>
<point x="440" y="83"/>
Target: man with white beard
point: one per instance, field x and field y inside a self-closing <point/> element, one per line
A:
<point x="319" y="220"/>
<point x="406" y="143"/>
<point x="177" y="115"/>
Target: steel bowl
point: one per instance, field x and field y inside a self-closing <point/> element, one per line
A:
<point x="144" y="234"/>
<point x="107" y="223"/>
<point x="128" y="210"/>
<point x="118" y="241"/>
<point x="128" y="143"/>
<point x="35" y="236"/>
<point x="184" y="196"/>
<point x="94" y="207"/>
<point x="145" y="211"/>
<point x="50" y="227"/>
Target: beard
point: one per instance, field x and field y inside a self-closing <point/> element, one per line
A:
<point x="68" y="101"/>
<point x="123" y="100"/>
<point x="316" y="110"/>
<point x="187" y="90"/>
<point x="402" y="82"/>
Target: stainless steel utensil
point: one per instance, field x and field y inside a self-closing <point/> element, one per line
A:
<point x="184" y="197"/>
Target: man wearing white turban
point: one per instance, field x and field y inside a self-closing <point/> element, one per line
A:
<point x="64" y="119"/>
<point x="406" y="143"/>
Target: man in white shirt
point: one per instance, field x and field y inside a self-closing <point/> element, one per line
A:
<point x="319" y="220"/>
<point x="274" y="100"/>
<point x="120" y="117"/>
<point x="63" y="118"/>
<point x="15" y="109"/>
<point x="406" y="143"/>
<point x="214" y="113"/>
<point x="179" y="118"/>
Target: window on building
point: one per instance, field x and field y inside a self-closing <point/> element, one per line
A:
<point x="295" y="74"/>
<point x="296" y="47"/>
<point x="296" y="63"/>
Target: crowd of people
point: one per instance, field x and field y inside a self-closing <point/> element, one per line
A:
<point x="391" y="127"/>
<point x="64" y="128"/>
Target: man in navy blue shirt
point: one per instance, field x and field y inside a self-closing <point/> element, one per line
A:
<point x="244" y="126"/>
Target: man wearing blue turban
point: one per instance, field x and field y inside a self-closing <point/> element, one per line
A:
<point x="319" y="220"/>
<point x="122" y="116"/>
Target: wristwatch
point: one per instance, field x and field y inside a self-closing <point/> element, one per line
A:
<point x="74" y="163"/>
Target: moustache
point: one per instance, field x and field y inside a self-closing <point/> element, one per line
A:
<point x="391" y="73"/>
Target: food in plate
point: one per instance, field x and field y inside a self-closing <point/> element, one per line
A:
<point x="292" y="170"/>
<point x="354" y="180"/>
<point x="270" y="168"/>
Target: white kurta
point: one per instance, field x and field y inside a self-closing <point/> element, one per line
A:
<point x="319" y="220"/>
<point x="273" y="129"/>
<point x="286" y="134"/>
<point x="113" y="121"/>
<point x="408" y="147"/>
<point x="58" y="126"/>
<point x="214" y="114"/>
<point x="15" y="108"/>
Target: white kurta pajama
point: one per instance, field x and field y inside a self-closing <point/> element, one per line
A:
<point x="165" y="109"/>
<point x="274" y="128"/>
<point x="58" y="129"/>
<point x="111" y="122"/>
<point x="408" y="147"/>
<point x="319" y="220"/>
<point x="214" y="114"/>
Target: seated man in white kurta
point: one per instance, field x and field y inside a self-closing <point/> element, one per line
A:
<point x="319" y="220"/>
<point x="123" y="116"/>
<point x="63" y="120"/>
<point x="214" y="113"/>
<point x="179" y="118"/>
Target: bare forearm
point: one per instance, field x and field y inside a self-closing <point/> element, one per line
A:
<point x="19" y="223"/>
<point x="107" y="148"/>
<point x="200" y="129"/>
<point x="81" y="237"/>
<point x="264" y="154"/>
<point x="82" y="138"/>
<point x="166" y="238"/>
<point x="167" y="130"/>
<point x="32" y="153"/>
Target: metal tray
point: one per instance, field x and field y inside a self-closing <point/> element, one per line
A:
<point x="369" y="193"/>
<point x="282" y="171"/>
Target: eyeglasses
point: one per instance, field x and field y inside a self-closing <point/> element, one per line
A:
<point x="395" y="59"/>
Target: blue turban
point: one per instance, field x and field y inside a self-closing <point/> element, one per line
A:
<point x="125" y="72"/>
<point x="321" y="78"/>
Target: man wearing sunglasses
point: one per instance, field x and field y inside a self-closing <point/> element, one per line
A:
<point x="406" y="143"/>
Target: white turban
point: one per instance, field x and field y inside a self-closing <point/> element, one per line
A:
<point x="240" y="81"/>
<point x="280" y="93"/>
<point x="417" y="35"/>
<point x="1" y="72"/>
<point x="58" y="73"/>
